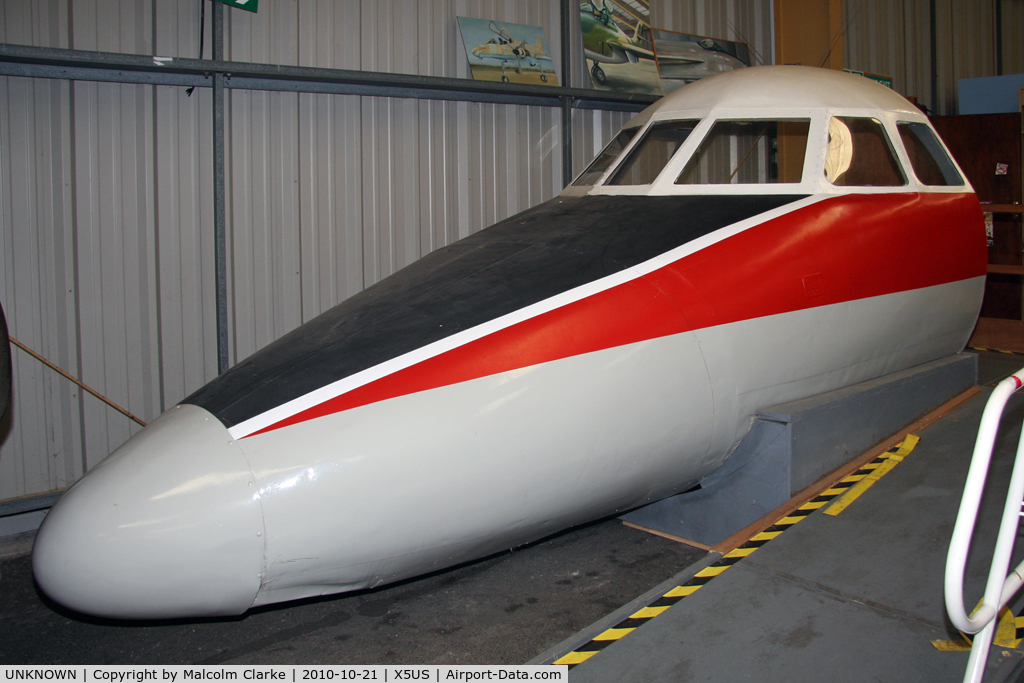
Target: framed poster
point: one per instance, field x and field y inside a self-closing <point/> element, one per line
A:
<point x="511" y="53"/>
<point x="683" y="58"/>
<point x="618" y="45"/>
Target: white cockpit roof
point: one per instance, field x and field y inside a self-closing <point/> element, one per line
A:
<point x="769" y="87"/>
<point x="823" y="114"/>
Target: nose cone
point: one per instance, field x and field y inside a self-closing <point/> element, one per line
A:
<point x="169" y="525"/>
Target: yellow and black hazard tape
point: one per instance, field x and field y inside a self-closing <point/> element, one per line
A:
<point x="851" y="487"/>
<point x="701" y="578"/>
<point x="1009" y="634"/>
<point x="980" y="348"/>
<point x="868" y="472"/>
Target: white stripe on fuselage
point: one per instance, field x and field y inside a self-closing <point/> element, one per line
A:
<point x="372" y="374"/>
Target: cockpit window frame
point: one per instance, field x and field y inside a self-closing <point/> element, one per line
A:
<point x="625" y="161"/>
<point x="613" y="162"/>
<point x="713" y="124"/>
<point x="897" y="156"/>
<point x="813" y="182"/>
<point x="944" y="158"/>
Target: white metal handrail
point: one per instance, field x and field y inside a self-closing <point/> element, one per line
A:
<point x="1000" y="587"/>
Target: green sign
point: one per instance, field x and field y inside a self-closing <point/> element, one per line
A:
<point x="242" y="4"/>
<point x="884" y="80"/>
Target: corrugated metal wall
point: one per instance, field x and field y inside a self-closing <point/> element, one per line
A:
<point x="893" y="38"/>
<point x="106" y="265"/>
<point x="106" y="191"/>
<point x="1012" y="12"/>
<point x="328" y="194"/>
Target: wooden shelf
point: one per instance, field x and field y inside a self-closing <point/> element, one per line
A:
<point x="1005" y="269"/>
<point x="981" y="143"/>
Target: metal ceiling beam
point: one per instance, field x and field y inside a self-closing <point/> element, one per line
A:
<point x="110" y="75"/>
<point x="39" y="62"/>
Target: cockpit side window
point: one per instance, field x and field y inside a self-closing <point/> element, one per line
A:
<point x="649" y="156"/>
<point x="749" y="152"/>
<point x="599" y="165"/>
<point x="930" y="161"/>
<point x="860" y="154"/>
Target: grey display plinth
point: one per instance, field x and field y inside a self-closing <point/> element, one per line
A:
<point x="791" y="446"/>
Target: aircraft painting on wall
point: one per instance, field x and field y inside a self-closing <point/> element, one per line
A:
<point x="617" y="44"/>
<point x="732" y="248"/>
<point x="684" y="58"/>
<point x="511" y="53"/>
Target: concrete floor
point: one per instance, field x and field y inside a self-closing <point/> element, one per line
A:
<point x="854" y="597"/>
<point x="504" y="609"/>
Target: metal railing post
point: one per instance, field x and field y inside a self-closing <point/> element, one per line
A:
<point x="1000" y="587"/>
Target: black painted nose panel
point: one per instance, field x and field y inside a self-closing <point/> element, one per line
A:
<point x="552" y="248"/>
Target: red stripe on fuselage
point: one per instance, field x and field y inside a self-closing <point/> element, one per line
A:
<point x="840" y="249"/>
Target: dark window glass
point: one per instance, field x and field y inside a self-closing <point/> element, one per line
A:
<point x="599" y="165"/>
<point x="930" y="161"/>
<point x="650" y="155"/>
<point x="859" y="154"/>
<point x="749" y="152"/>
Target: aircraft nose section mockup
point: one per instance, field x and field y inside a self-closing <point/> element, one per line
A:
<point x="168" y="525"/>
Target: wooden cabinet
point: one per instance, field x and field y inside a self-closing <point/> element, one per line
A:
<point x="988" y="148"/>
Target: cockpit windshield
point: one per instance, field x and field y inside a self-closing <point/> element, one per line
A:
<point x="649" y="156"/>
<point x="857" y="152"/>
<point x="749" y="152"/>
<point x="930" y="161"/>
<point x="599" y="165"/>
<point x="860" y="154"/>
